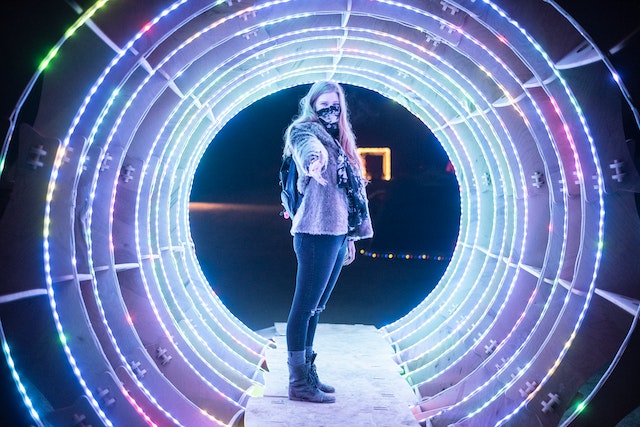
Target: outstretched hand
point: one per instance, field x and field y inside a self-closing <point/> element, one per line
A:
<point x="315" y="171"/>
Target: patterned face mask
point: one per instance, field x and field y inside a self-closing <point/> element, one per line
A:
<point x="329" y="117"/>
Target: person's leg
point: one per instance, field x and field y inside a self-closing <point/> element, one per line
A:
<point x="316" y="261"/>
<point x="341" y="246"/>
<point x="314" y="270"/>
<point x="313" y="321"/>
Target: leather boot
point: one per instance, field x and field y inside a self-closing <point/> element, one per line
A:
<point x="301" y="387"/>
<point x="313" y="375"/>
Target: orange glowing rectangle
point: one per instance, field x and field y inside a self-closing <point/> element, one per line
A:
<point x="385" y="153"/>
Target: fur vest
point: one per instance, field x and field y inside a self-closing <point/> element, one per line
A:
<point x="324" y="207"/>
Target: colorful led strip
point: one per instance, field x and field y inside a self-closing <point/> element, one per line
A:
<point x="492" y="252"/>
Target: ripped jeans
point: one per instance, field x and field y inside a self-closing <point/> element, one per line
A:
<point x="320" y="259"/>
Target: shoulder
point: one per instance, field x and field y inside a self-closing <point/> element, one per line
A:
<point x="308" y="127"/>
<point x="301" y="132"/>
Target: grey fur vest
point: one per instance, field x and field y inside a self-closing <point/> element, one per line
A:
<point x="324" y="207"/>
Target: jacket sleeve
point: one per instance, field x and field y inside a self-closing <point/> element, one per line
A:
<point x="307" y="147"/>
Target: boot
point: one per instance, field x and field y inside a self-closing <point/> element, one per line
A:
<point x="301" y="387"/>
<point x="313" y="375"/>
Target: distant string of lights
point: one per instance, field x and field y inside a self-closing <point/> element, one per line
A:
<point x="404" y="256"/>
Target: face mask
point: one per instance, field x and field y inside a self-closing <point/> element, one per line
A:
<point x="329" y="117"/>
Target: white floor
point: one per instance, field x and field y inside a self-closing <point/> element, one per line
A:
<point x="356" y="360"/>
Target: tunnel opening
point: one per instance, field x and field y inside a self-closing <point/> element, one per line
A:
<point x="416" y="214"/>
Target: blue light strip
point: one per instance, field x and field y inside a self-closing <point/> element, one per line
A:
<point x="16" y="378"/>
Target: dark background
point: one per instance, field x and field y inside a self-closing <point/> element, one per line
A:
<point x="246" y="251"/>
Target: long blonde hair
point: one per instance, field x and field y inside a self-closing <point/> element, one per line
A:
<point x="307" y="113"/>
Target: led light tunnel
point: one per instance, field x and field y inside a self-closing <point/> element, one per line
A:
<point x="534" y="302"/>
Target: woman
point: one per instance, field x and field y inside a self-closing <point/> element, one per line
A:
<point x="332" y="215"/>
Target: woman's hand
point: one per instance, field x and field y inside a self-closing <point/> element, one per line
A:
<point x="351" y="253"/>
<point x="315" y="172"/>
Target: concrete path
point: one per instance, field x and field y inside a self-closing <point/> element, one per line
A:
<point x="357" y="361"/>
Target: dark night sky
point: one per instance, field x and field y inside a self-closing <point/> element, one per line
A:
<point x="26" y="37"/>
<point x="245" y="155"/>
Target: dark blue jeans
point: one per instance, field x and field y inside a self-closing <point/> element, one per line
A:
<point x="320" y="260"/>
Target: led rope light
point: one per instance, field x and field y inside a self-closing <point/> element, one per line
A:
<point x="425" y="338"/>
<point x="584" y="402"/>
<point x="47" y="268"/>
<point x="151" y="300"/>
<point x="49" y="197"/>
<point x="542" y="116"/>
<point x="137" y="229"/>
<point x="475" y="392"/>
<point x="158" y="209"/>
<point x="16" y="378"/>
<point x="238" y="14"/>
<point x="494" y="57"/>
<point x="464" y="400"/>
<point x="129" y="104"/>
<point x="602" y="57"/>
<point x="57" y="164"/>
<point x="199" y="295"/>
<point x="92" y="270"/>
<point x="565" y="127"/>
<point x="601" y="220"/>
<point x="442" y="308"/>
<point x="443" y="341"/>
<point x="404" y="256"/>
<point x="41" y="68"/>
<point x="248" y="383"/>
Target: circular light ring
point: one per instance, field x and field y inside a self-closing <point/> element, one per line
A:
<point x="219" y="410"/>
<point x="203" y="299"/>
<point x="489" y="265"/>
